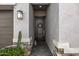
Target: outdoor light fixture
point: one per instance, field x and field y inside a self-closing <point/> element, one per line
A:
<point x="19" y="14"/>
<point x="40" y="6"/>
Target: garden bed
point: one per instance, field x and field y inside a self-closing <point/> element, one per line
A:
<point x="12" y="52"/>
<point x="19" y="50"/>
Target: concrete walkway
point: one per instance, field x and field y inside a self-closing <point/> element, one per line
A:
<point x="41" y="50"/>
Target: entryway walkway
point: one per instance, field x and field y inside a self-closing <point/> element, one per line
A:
<point x="41" y="50"/>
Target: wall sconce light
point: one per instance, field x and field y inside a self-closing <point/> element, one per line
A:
<point x="19" y="14"/>
<point x="40" y="6"/>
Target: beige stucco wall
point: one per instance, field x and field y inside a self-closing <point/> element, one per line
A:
<point x="69" y="24"/>
<point x="31" y="22"/>
<point x="52" y="23"/>
<point x="21" y="25"/>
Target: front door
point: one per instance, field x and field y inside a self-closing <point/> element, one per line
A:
<point x="39" y="28"/>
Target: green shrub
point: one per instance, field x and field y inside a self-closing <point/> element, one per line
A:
<point x="12" y="52"/>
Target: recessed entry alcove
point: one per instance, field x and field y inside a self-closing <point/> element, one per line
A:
<point x="43" y="15"/>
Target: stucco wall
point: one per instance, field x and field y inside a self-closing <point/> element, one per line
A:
<point x="21" y="25"/>
<point x="52" y="23"/>
<point x="31" y="24"/>
<point x="69" y="24"/>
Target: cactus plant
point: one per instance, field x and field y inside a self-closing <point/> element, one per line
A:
<point x="19" y="40"/>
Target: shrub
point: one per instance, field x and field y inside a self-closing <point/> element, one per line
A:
<point x="11" y="52"/>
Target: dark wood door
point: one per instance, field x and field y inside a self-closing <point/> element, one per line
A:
<point x="39" y="28"/>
